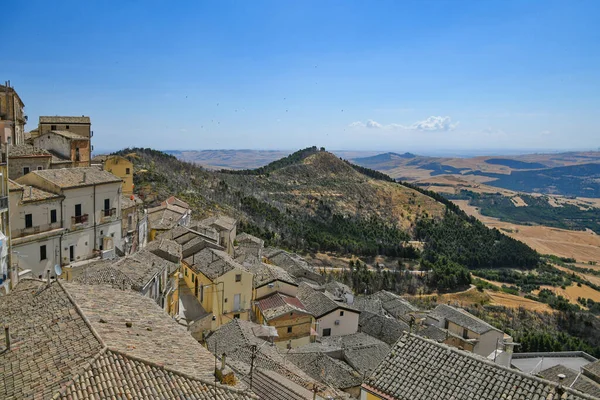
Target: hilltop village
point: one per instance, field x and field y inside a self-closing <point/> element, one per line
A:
<point x="106" y="295"/>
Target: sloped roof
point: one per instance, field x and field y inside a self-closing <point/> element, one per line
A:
<point x="461" y="318"/>
<point x="278" y="304"/>
<point x="573" y="379"/>
<point x="386" y="329"/>
<point x="593" y="370"/>
<point x="33" y="194"/>
<point x="166" y="249"/>
<point x="69" y="135"/>
<point x="269" y="385"/>
<point x="212" y="263"/>
<point x="245" y="237"/>
<point x="128" y="202"/>
<point x="50" y="341"/>
<point x="165" y="216"/>
<point x="266" y="273"/>
<point x="102" y="273"/>
<point x="71" y="341"/>
<point x="326" y="369"/>
<point x="26" y="150"/>
<point x="433" y="332"/>
<point x="320" y="303"/>
<point x="64" y="120"/>
<point x="220" y="221"/>
<point x="421" y="369"/>
<point x="142" y="266"/>
<point x="394" y="304"/>
<point x="116" y="374"/>
<point x="66" y="178"/>
<point x="176" y="202"/>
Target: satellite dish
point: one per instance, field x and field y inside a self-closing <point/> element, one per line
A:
<point x="57" y="270"/>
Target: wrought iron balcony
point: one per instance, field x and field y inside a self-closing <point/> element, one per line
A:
<point x="79" y="219"/>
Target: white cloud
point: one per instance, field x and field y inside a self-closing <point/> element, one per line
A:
<point x="493" y="132"/>
<point x="435" y="124"/>
<point x="431" y="124"/>
<point x="545" y="133"/>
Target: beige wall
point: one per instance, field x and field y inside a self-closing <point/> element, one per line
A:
<point x="348" y="323"/>
<point x="40" y="212"/>
<point x="278" y="286"/>
<point x="27" y="255"/>
<point x="80" y="129"/>
<point x="123" y="168"/>
<point x="65" y="147"/>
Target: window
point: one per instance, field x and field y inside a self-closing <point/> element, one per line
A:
<point x="186" y="273"/>
<point x="341" y="313"/>
<point x="289" y="329"/>
<point x="25" y="170"/>
<point x="107" y="204"/>
<point x="40" y="168"/>
<point x="127" y="171"/>
<point x="8" y="140"/>
<point x="77" y="157"/>
<point x="28" y="220"/>
<point x="52" y="127"/>
<point x="238" y="277"/>
<point x="78" y="210"/>
<point x="465" y="333"/>
<point x="327" y="332"/>
<point x="52" y="216"/>
<point x="42" y="252"/>
<point x="446" y="324"/>
<point x="67" y="127"/>
<point x="236" y="316"/>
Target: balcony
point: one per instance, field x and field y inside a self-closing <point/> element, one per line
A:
<point x="18" y="233"/>
<point x="110" y="214"/>
<point x="79" y="221"/>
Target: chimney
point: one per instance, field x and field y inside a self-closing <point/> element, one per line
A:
<point x="48" y="277"/>
<point x="7" y="337"/>
<point x="223" y="361"/>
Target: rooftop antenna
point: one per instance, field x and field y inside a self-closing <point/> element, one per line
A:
<point x="58" y="270"/>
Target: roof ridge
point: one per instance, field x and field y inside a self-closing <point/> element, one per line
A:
<point x="182" y="374"/>
<point x="82" y="314"/>
<point x="472" y="356"/>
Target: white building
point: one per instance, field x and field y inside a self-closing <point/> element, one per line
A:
<point x="36" y="228"/>
<point x="90" y="209"/>
<point x="333" y="316"/>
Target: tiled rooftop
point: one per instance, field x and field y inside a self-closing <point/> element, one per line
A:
<point x="212" y="263"/>
<point x="166" y="249"/>
<point x="74" y="177"/>
<point x="175" y="201"/>
<point x="320" y="303"/>
<point x="245" y="237"/>
<point x="50" y="341"/>
<point x="69" y="135"/>
<point x="64" y="120"/>
<point x="165" y="216"/>
<point x="266" y="273"/>
<point x="129" y="201"/>
<point x="421" y="369"/>
<point x="384" y="328"/>
<point x="461" y="318"/>
<point x="71" y="341"/>
<point x="26" y="150"/>
<point x="30" y="193"/>
<point x="324" y="368"/>
<point x="573" y="379"/>
<point x="220" y="221"/>
<point x="394" y="304"/>
<point x="153" y="336"/>
<point x="279" y="304"/>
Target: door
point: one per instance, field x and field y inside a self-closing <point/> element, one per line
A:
<point x="107" y="204"/>
<point x="71" y="253"/>
<point x="196" y="287"/>
<point x="236" y="302"/>
<point x="78" y="210"/>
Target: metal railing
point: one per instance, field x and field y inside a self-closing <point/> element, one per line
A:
<point x="79" y="219"/>
<point x="109" y="212"/>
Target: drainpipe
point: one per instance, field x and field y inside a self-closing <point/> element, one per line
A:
<point x="95" y="239"/>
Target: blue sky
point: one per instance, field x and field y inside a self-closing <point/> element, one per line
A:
<point x="425" y="76"/>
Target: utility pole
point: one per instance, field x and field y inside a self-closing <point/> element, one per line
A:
<point x="253" y="348"/>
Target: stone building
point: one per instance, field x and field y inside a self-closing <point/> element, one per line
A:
<point x="66" y="145"/>
<point x="12" y="116"/>
<point x="78" y="125"/>
<point x="24" y="158"/>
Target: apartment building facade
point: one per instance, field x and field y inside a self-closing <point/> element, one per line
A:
<point x="12" y="116"/>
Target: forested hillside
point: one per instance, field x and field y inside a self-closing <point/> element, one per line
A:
<point x="314" y="201"/>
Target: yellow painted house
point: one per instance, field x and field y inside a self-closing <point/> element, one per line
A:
<point x="119" y="166"/>
<point x="222" y="286"/>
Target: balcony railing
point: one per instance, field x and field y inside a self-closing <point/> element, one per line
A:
<point x="79" y="219"/>
<point x="109" y="212"/>
<point x="17" y="233"/>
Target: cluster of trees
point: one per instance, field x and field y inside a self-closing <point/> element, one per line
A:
<point x="592" y="305"/>
<point x="557" y="302"/>
<point x="535" y="341"/>
<point x="446" y="275"/>
<point x="368" y="281"/>
<point x="470" y="243"/>
<point x="326" y="231"/>
<point x="527" y="281"/>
